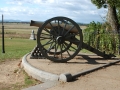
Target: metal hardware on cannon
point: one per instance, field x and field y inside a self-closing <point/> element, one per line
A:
<point x="60" y="39"/>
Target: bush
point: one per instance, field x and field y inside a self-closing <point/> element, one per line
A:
<point x="98" y="37"/>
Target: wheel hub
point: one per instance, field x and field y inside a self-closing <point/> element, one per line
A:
<point x="60" y="39"/>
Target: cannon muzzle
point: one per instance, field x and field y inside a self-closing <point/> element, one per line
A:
<point x="36" y="23"/>
<point x="39" y="24"/>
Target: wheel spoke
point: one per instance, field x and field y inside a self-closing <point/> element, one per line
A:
<point x="61" y="51"/>
<point x="61" y="48"/>
<point x="58" y="27"/>
<point x="49" y="42"/>
<point x="68" y="53"/>
<point x="73" y="48"/>
<point x="46" y="30"/>
<point x="65" y="43"/>
<point x="66" y="50"/>
<point x="51" y="25"/>
<point x="70" y="46"/>
<point x="64" y="28"/>
<point x="56" y="48"/>
<point x="50" y="48"/>
<point x="53" y="29"/>
<point x="69" y="30"/>
<point x="43" y="38"/>
<point x="45" y="34"/>
<point x="51" y="45"/>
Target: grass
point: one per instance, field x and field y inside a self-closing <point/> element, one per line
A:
<point x="28" y="80"/>
<point x="16" y="48"/>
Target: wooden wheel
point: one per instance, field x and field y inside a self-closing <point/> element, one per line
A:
<point x="59" y="39"/>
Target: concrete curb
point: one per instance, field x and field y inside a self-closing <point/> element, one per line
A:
<point x="37" y="73"/>
<point x="68" y="77"/>
<point x="94" y="69"/>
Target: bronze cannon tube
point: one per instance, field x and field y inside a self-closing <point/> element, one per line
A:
<point x="39" y="24"/>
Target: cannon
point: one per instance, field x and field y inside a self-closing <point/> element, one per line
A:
<point x="60" y="39"/>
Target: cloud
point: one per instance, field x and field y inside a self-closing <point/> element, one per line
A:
<point x="78" y="10"/>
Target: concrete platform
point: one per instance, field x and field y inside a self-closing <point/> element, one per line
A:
<point x="46" y="70"/>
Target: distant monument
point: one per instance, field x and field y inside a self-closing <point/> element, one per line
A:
<point x="32" y="36"/>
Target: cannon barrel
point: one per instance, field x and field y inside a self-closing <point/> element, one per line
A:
<point x="39" y="24"/>
<point x="36" y="23"/>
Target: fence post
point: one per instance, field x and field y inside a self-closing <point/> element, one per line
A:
<point x="98" y="38"/>
<point x="3" y="48"/>
<point x="119" y="42"/>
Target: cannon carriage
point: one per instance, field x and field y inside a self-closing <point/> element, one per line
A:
<point x="60" y="39"/>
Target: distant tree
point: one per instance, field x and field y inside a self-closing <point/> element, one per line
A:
<point x="112" y="14"/>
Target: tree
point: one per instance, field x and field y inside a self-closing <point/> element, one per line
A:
<point x="112" y="17"/>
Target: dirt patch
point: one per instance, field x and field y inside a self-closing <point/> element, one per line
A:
<point x="12" y="77"/>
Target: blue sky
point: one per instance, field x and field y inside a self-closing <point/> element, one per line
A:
<point x="25" y="10"/>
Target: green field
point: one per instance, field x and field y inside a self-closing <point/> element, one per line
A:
<point x="16" y="48"/>
<point x="17" y="42"/>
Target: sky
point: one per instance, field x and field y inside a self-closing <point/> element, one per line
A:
<point x="82" y="11"/>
